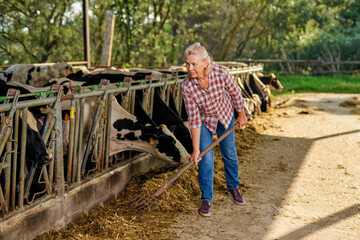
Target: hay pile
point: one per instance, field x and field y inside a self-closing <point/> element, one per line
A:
<point x="353" y="103"/>
<point x="111" y="222"/>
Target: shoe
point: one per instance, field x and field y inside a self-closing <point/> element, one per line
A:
<point x="237" y="196"/>
<point x="205" y="209"/>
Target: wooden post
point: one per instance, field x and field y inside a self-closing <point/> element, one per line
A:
<point x="86" y="29"/>
<point x="108" y="39"/>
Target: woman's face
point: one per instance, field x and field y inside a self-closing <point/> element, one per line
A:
<point x="196" y="66"/>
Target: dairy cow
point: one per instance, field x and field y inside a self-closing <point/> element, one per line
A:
<point x="252" y="87"/>
<point x="163" y="114"/>
<point x="35" y="147"/>
<point x="272" y="81"/>
<point x="36" y="76"/>
<point x="113" y="75"/>
<point x="252" y="101"/>
<point x="129" y="133"/>
<point x="36" y="150"/>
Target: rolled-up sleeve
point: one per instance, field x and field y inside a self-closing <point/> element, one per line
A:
<point x="191" y="108"/>
<point x="234" y="90"/>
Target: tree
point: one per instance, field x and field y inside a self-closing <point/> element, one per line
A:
<point x="39" y="31"/>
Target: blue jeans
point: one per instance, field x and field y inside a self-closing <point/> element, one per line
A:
<point x="206" y="165"/>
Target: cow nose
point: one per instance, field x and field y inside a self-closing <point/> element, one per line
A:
<point x="47" y="158"/>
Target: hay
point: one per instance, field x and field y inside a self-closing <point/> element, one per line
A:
<point x="110" y="222"/>
<point x="355" y="111"/>
<point x="350" y="103"/>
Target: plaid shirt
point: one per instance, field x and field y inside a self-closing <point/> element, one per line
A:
<point x="212" y="104"/>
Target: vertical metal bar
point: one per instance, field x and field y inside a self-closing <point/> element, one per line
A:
<point x="132" y="101"/>
<point x="102" y="138"/>
<point x="49" y="128"/>
<point x="59" y="163"/>
<point x="2" y="202"/>
<point x="46" y="179"/>
<point x="22" y="158"/>
<point x="81" y="132"/>
<point x="108" y="126"/>
<point x="179" y="98"/>
<point x="4" y="139"/>
<point x="14" y="169"/>
<point x="76" y="139"/>
<point x="71" y="143"/>
<point x="52" y="163"/>
<point x="7" y="170"/>
<point x="151" y="101"/>
<point x="167" y="89"/>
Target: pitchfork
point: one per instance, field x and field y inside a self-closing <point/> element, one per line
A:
<point x="145" y="203"/>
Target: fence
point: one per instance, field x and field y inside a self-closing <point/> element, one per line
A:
<point x="73" y="173"/>
<point x="307" y="67"/>
<point x="68" y="172"/>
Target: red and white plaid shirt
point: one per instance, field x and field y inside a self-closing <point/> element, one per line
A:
<point x="212" y="104"/>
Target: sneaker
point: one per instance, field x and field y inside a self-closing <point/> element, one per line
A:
<point x="237" y="196"/>
<point x="205" y="209"/>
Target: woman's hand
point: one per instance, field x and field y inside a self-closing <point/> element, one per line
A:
<point x="195" y="157"/>
<point x="242" y="119"/>
<point x="195" y="134"/>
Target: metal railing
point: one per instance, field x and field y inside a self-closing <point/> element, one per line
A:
<point x="79" y="164"/>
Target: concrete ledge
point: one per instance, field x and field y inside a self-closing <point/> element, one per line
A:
<point x="55" y="214"/>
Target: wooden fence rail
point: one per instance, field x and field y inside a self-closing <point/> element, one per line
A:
<point x="307" y="67"/>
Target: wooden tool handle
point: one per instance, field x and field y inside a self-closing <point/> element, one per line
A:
<point x="187" y="166"/>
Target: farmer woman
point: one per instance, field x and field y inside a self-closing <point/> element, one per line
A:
<point x="210" y="96"/>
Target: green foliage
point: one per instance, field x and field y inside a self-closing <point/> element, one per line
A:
<point x="320" y="84"/>
<point x="38" y="31"/>
<point x="150" y="32"/>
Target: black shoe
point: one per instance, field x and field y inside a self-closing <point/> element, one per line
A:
<point x="205" y="209"/>
<point x="237" y="196"/>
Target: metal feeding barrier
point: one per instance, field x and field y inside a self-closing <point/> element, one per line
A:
<point x="14" y="121"/>
<point x="67" y="172"/>
<point x="145" y="203"/>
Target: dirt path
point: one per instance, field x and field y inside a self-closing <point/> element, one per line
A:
<point x="302" y="178"/>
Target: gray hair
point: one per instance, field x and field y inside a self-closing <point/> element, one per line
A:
<point x="199" y="50"/>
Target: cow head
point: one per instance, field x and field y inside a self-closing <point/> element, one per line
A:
<point x="275" y="83"/>
<point x="36" y="149"/>
<point x="61" y="69"/>
<point x="158" y="141"/>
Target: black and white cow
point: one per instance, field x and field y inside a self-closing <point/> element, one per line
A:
<point x="114" y="75"/>
<point x="129" y="133"/>
<point x="36" y="76"/>
<point x="36" y="150"/>
<point x="163" y="114"/>
<point x="254" y="89"/>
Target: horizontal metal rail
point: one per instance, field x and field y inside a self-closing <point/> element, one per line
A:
<point x="246" y="70"/>
<point x="39" y="102"/>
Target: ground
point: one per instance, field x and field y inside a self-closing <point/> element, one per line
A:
<point x="301" y="179"/>
<point x="299" y="172"/>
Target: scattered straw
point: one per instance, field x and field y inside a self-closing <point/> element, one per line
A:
<point x="110" y="222"/>
<point x="353" y="102"/>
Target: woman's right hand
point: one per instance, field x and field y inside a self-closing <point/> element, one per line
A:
<point x="195" y="157"/>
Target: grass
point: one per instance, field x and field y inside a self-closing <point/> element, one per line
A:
<point x="319" y="84"/>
